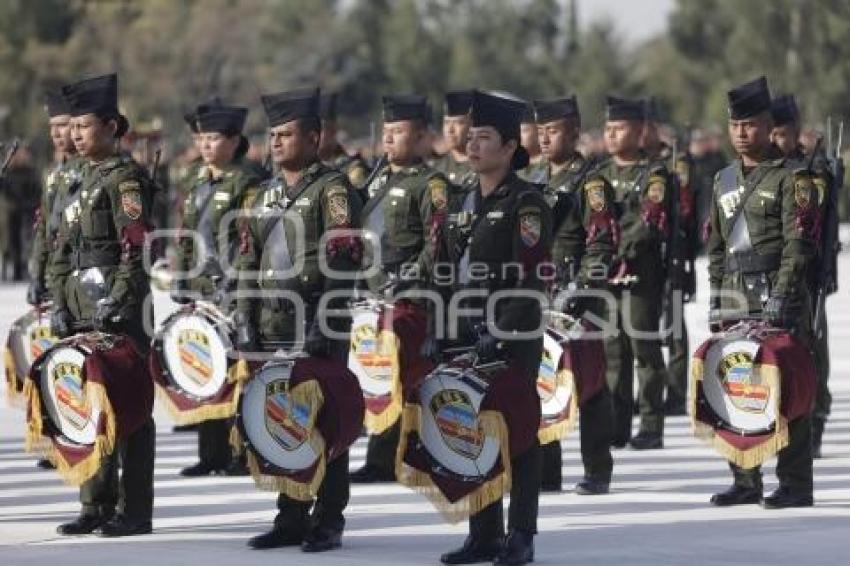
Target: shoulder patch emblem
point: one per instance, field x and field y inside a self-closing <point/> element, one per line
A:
<point x="131" y="203"/>
<point x="803" y="192"/>
<point x="656" y="189"/>
<point x="338" y="207"/>
<point x="595" y="191"/>
<point x="437" y="188"/>
<point x="530" y="227"/>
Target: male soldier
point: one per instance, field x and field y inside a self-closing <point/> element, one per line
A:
<point x="454" y="164"/>
<point x="584" y="243"/>
<point x="503" y="221"/>
<point x="786" y="135"/>
<point x="407" y="201"/>
<point x="305" y="193"/>
<point x="223" y="184"/>
<point x="682" y="283"/>
<point x="330" y="150"/>
<point x="60" y="188"/>
<point x="99" y="281"/>
<point x="761" y="248"/>
<point x="643" y="193"/>
<point x="535" y="171"/>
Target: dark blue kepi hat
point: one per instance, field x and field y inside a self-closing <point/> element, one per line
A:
<point x="191" y="118"/>
<point x="399" y="107"/>
<point x="625" y="108"/>
<point x="55" y="104"/>
<point x="505" y="116"/>
<point x="458" y="103"/>
<point x="97" y="95"/>
<point x="749" y="99"/>
<point x="555" y="109"/>
<point x="784" y="110"/>
<point x="292" y="105"/>
<point x="227" y="120"/>
<point x="328" y="106"/>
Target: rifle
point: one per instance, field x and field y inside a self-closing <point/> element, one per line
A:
<point x="13" y="149"/>
<point x="827" y="276"/>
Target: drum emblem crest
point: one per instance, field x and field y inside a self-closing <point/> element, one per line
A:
<point x="366" y="347"/>
<point x="71" y="397"/>
<point x="287" y="421"/>
<point x="195" y="355"/>
<point x="742" y="384"/>
<point x="547" y="376"/>
<point x="41" y="339"/>
<point x="457" y="421"/>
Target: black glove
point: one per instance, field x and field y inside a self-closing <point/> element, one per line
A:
<point x="487" y="347"/>
<point x="179" y="291"/>
<point x="107" y="313"/>
<point x="246" y="336"/>
<point x="60" y="323"/>
<point x="715" y="321"/>
<point x="777" y="312"/>
<point x="315" y="343"/>
<point x="36" y="292"/>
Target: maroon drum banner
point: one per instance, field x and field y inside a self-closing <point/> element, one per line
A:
<point x="747" y="384"/>
<point x="83" y="395"/>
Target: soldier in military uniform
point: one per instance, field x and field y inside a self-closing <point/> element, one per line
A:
<point x="785" y="135"/>
<point x="408" y="200"/>
<point x="584" y="243"/>
<point x="681" y="285"/>
<point x="223" y="184"/>
<point x="330" y="150"/>
<point x="761" y="247"/>
<point x="322" y="199"/>
<point x="644" y="198"/>
<point x="61" y="185"/>
<point x="507" y="222"/>
<point x="98" y="280"/>
<point x="535" y="171"/>
<point x="454" y="164"/>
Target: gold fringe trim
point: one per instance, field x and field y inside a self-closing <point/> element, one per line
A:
<point x="305" y="392"/>
<point x="104" y="444"/>
<point x="239" y="372"/>
<point x="203" y="413"/>
<point x="561" y="429"/>
<point x="756" y="455"/>
<point x="388" y="343"/>
<point x="492" y="423"/>
<point x="14" y="397"/>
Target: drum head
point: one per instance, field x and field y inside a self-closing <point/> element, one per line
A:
<point x="63" y="393"/>
<point x="554" y="397"/>
<point x="735" y="390"/>
<point x="30" y="337"/>
<point x="277" y="427"/>
<point x="195" y="354"/>
<point x="373" y="369"/>
<point x="450" y="399"/>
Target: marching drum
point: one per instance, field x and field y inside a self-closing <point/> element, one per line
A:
<point x="72" y="412"/>
<point x="275" y="424"/>
<point x="450" y="431"/>
<point x="747" y="384"/>
<point x="83" y="395"/>
<point x="296" y="414"/>
<point x="29" y="337"/>
<point x="193" y="346"/>
<point x="734" y="387"/>
<point x="367" y="359"/>
<point x="555" y="390"/>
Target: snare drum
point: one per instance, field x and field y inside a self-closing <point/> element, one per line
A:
<point x="29" y="337"/>
<point x="450" y="399"/>
<point x="368" y="359"/>
<point x="191" y="363"/>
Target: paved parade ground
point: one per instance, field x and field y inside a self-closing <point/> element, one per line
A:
<point x="657" y="513"/>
